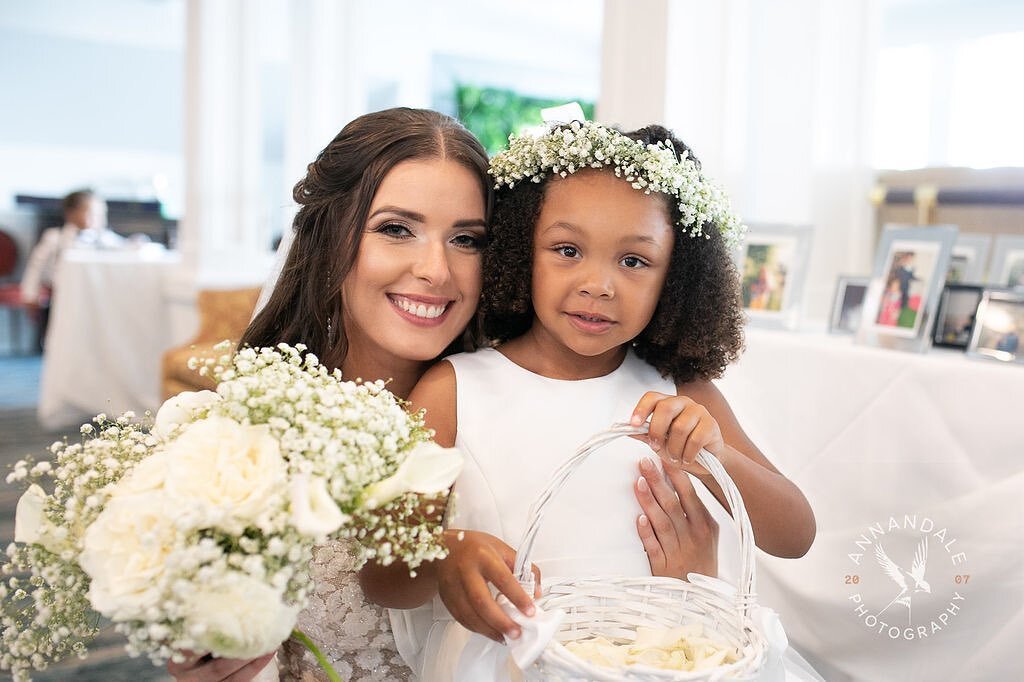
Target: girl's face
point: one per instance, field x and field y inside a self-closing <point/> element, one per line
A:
<point x="415" y="283"/>
<point x="601" y="252"/>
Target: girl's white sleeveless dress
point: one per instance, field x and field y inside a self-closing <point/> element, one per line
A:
<point x="514" y="429"/>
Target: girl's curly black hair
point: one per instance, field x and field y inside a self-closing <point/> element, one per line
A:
<point x="697" y="327"/>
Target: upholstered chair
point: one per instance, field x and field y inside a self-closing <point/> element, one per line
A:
<point x="10" y="290"/>
<point x="223" y="314"/>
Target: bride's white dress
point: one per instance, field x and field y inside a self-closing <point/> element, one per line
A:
<point x="354" y="634"/>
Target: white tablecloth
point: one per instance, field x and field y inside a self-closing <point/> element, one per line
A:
<point x="891" y="447"/>
<point x="108" y="329"/>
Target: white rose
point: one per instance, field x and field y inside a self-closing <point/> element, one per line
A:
<point x="125" y="551"/>
<point x="28" y="516"/>
<point x="179" y="410"/>
<point x="149" y="474"/>
<point x="238" y="617"/>
<point x="313" y="511"/>
<point x="233" y="472"/>
<point x="428" y="469"/>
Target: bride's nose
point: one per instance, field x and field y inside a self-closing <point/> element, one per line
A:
<point x="431" y="265"/>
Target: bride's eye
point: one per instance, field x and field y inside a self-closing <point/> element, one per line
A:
<point x="394" y="230"/>
<point x="471" y="242"/>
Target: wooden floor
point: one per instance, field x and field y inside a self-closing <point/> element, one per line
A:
<point x="20" y="434"/>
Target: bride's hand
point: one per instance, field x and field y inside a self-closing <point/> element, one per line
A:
<point x="199" y="668"/>
<point x="679" y="534"/>
<point x="474" y="560"/>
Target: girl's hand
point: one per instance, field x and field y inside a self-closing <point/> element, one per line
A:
<point x="679" y="429"/>
<point x="474" y="560"/>
<point x="200" y="668"/>
<point x="679" y="534"/>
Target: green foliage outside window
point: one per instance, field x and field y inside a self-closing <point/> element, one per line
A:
<point x="492" y="114"/>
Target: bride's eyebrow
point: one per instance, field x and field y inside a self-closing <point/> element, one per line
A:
<point x="420" y="218"/>
<point x="404" y="213"/>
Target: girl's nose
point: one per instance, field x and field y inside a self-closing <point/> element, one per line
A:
<point x="597" y="282"/>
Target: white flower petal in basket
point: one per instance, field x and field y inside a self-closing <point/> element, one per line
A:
<point x="725" y="612"/>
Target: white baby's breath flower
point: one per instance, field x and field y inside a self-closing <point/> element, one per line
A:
<point x="565" y="149"/>
<point x="199" y="535"/>
<point x="180" y="410"/>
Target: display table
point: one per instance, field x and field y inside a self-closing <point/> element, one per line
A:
<point x="108" y="329"/>
<point x="919" y="456"/>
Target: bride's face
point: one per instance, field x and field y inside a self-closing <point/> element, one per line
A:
<point x="416" y="279"/>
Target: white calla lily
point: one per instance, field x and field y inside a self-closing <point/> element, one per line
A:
<point x="28" y="516"/>
<point x="428" y="469"/>
<point x="313" y="511"/>
<point x="178" y="410"/>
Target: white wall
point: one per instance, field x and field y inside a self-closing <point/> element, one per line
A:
<point x="773" y="98"/>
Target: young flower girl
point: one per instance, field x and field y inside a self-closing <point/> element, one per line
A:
<point x="607" y="276"/>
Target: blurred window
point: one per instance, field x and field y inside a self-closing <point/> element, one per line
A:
<point x="947" y="90"/>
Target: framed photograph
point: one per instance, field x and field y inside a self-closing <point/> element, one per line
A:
<point x="910" y="270"/>
<point x="773" y="264"/>
<point x="999" y="326"/>
<point x="954" y="320"/>
<point x="848" y="306"/>
<point x="1007" y="269"/>
<point x="970" y="254"/>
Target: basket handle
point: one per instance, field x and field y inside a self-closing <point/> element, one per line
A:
<point x="745" y="596"/>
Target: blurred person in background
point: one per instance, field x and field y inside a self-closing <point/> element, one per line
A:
<point x="85" y="226"/>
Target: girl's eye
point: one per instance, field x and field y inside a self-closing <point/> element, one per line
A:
<point x="567" y="251"/>
<point x="394" y="230"/>
<point x="633" y="262"/>
<point x="473" y="242"/>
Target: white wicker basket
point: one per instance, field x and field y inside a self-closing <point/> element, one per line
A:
<point x="615" y="607"/>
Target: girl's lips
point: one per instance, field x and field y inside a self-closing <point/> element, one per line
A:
<point x="591" y="316"/>
<point x="590" y="323"/>
<point x="422" y="311"/>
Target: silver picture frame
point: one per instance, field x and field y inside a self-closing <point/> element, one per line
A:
<point x="969" y="258"/>
<point x="999" y="326"/>
<point x="910" y="270"/>
<point x="772" y="263"/>
<point x="848" y="304"/>
<point x="1007" y="267"/>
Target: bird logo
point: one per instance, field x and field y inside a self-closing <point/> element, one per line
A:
<point x="910" y="582"/>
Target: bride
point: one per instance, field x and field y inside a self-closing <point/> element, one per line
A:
<point x="383" y="278"/>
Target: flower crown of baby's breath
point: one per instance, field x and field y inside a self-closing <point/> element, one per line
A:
<point x="567" y="148"/>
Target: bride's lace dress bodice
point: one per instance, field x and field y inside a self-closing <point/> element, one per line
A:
<point x="352" y="633"/>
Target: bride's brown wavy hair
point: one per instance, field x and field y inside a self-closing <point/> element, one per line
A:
<point x="334" y="199"/>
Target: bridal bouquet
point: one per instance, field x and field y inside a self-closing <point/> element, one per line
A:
<point x="197" y="533"/>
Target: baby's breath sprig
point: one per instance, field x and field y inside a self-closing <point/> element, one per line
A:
<point x="565" y="149"/>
